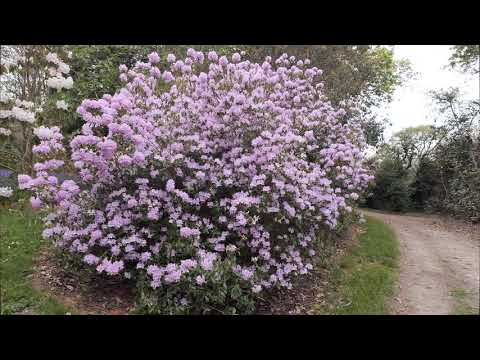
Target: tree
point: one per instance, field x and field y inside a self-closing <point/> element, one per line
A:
<point x="459" y="118"/>
<point x="439" y="163"/>
<point x="436" y="166"/>
<point x="466" y="57"/>
<point x="457" y="157"/>
<point x="412" y="145"/>
<point x="391" y="189"/>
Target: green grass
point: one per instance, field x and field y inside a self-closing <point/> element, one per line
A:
<point x="20" y="241"/>
<point x="363" y="280"/>
<point x="462" y="306"/>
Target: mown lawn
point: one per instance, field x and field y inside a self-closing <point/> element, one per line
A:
<point x="362" y="281"/>
<point x="20" y="241"/>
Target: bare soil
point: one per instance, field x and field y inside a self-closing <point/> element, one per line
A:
<point x="85" y="295"/>
<point x="439" y="259"/>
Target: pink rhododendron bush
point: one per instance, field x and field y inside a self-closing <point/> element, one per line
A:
<point x="207" y="182"/>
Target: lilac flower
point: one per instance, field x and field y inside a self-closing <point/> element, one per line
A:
<point x="91" y="259"/>
<point x="167" y="76"/>
<point x="246" y="274"/>
<point x="200" y="279"/>
<point x="183" y="302"/>
<point x="139" y="157"/>
<point x="223" y="61"/>
<point x="170" y="186"/>
<point x="35" y="202"/>
<point x="187" y="232"/>
<point x="124" y="160"/>
<point x="236" y="57"/>
<point x="108" y="147"/>
<point x="153" y="58"/>
<point x="212" y="56"/>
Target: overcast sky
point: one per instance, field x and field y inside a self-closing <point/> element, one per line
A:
<point x="411" y="106"/>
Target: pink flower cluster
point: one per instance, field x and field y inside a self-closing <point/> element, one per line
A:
<point x="235" y="161"/>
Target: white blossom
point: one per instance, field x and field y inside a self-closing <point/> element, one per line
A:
<point x="6" y="191"/>
<point x="52" y="57"/>
<point x="4" y="98"/>
<point x="52" y="71"/>
<point x="7" y="63"/>
<point x="62" y="105"/>
<point x="25" y="104"/>
<point x="23" y="115"/>
<point x="43" y="132"/>
<point x="5" y="114"/>
<point x="63" y="68"/>
<point x="4" y="131"/>
<point x="59" y="82"/>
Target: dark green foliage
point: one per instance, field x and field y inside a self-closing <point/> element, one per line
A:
<point x="391" y="190"/>
<point x="425" y="186"/>
<point x="222" y="294"/>
<point x="458" y="180"/>
<point x="435" y="167"/>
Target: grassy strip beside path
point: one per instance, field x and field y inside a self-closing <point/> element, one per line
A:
<point x="362" y="281"/>
<point x="20" y="241"/>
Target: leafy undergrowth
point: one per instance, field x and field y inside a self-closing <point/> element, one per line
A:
<point x="362" y="281"/>
<point x="20" y="241"/>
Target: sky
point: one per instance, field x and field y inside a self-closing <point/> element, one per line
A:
<point x="411" y="105"/>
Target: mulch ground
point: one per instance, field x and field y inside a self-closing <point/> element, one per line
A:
<point x="93" y="295"/>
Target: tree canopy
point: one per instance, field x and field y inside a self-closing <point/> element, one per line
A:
<point x="466" y="57"/>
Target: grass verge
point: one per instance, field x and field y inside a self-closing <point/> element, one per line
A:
<point x="362" y="281"/>
<point x="20" y="241"/>
<point x="462" y="306"/>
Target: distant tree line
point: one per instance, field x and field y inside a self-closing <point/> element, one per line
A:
<point x="435" y="168"/>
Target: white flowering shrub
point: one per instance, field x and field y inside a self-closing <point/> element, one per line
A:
<point x="27" y="100"/>
<point x="206" y="193"/>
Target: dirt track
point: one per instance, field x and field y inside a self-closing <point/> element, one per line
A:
<point x="439" y="265"/>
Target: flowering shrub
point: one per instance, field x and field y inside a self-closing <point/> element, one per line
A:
<point x="207" y="192"/>
<point x="36" y="70"/>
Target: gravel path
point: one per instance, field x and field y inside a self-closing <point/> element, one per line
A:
<point x="439" y="265"/>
